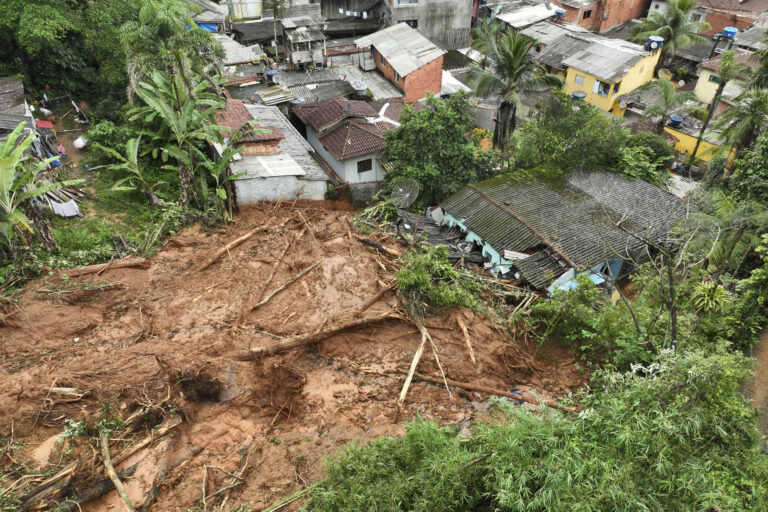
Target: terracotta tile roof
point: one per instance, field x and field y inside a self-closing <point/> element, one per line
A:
<point x="738" y="7"/>
<point x="320" y="115"/>
<point x="236" y="115"/>
<point x="395" y="108"/>
<point x="713" y="64"/>
<point x="647" y="125"/>
<point x="235" y="80"/>
<point x="354" y="138"/>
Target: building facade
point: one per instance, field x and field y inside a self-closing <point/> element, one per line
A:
<point x="445" y="22"/>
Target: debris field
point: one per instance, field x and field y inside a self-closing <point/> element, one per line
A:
<point x="233" y="362"/>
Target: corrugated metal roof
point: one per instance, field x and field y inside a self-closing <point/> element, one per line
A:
<point x="607" y="59"/>
<point x="565" y="222"/>
<point x="752" y="38"/>
<point x="405" y="49"/>
<point x="562" y="48"/>
<point x="527" y="15"/>
<point x="304" y="34"/>
<point x="210" y="12"/>
<point x="293" y="144"/>
<point x="267" y="166"/>
<point x="546" y="32"/>
<point x="235" y="53"/>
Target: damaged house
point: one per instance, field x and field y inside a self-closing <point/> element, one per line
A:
<point x="545" y="234"/>
<point x="276" y="160"/>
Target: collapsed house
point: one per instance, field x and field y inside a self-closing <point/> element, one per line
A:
<point x="547" y="233"/>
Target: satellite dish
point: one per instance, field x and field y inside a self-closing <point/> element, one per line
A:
<point x="665" y="74"/>
<point x="681" y="83"/>
<point x="405" y="193"/>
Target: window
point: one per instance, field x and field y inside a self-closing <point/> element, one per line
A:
<point x="364" y="165"/>
<point x="656" y="6"/>
<point x="587" y="14"/>
<point x="397" y="77"/>
<point x="412" y="23"/>
<point x="383" y="61"/>
<point x="601" y="88"/>
<point x="616" y="87"/>
<point x="695" y="17"/>
<point x="579" y="80"/>
<point x="714" y="79"/>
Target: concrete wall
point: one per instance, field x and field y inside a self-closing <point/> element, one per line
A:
<point x="686" y="143"/>
<point x="436" y="19"/>
<point x="636" y="76"/>
<point x="347" y="170"/>
<point x="619" y="11"/>
<point x="253" y="190"/>
<point x="705" y="88"/>
<point x="330" y="9"/>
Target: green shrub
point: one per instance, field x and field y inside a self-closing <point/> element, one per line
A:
<point x="427" y="279"/>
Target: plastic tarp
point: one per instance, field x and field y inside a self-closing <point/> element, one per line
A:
<point x="68" y="209"/>
<point x="208" y="27"/>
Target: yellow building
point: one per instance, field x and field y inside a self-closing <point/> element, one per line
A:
<point x="709" y="80"/>
<point x="686" y="141"/>
<point x="600" y="69"/>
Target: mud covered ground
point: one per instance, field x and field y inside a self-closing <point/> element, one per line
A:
<point x="153" y="347"/>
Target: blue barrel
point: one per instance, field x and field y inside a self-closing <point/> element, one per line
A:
<point x="655" y="42"/>
<point x="675" y="121"/>
<point x="578" y="95"/>
<point x="730" y="32"/>
<point x="560" y="13"/>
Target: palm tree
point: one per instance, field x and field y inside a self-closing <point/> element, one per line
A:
<point x="135" y="179"/>
<point x="19" y="185"/>
<point x="513" y="70"/>
<point x="485" y="38"/>
<point x="728" y="70"/>
<point x="670" y="101"/>
<point x="160" y="40"/>
<point x="674" y="26"/>
<point x="187" y="123"/>
<point x="743" y="122"/>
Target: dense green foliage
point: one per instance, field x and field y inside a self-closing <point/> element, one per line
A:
<point x="435" y="147"/>
<point x="427" y="279"/>
<point x="674" y="436"/>
<point x="749" y="181"/>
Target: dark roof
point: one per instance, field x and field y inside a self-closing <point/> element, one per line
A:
<point x="562" y="48"/>
<point x="355" y="138"/>
<point x="752" y="37"/>
<point x="454" y="59"/>
<point x="648" y="125"/>
<point x="236" y="115"/>
<point x="567" y="223"/>
<point x="323" y="114"/>
<point x="13" y="109"/>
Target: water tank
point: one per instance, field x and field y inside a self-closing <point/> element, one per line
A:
<point x="730" y="32"/>
<point x="675" y="121"/>
<point x="298" y="100"/>
<point x="559" y="14"/>
<point x="578" y="95"/>
<point x="359" y="87"/>
<point x="655" y="42"/>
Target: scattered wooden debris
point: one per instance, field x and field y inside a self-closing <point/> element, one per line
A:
<point x="373" y="300"/>
<point x="104" y="442"/>
<point x="467" y="339"/>
<point x="286" y="285"/>
<point x="234" y="243"/>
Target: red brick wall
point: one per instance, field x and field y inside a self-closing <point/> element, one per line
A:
<point x="388" y="71"/>
<point x="426" y="79"/>
<point x="616" y="12"/>
<point x="719" y="20"/>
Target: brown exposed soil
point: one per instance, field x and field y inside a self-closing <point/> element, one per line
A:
<point x="756" y="388"/>
<point x="164" y="344"/>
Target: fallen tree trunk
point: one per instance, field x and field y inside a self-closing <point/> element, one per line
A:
<point x="486" y="390"/>
<point x="286" y="285"/>
<point x="237" y="241"/>
<point x="373" y="300"/>
<point x="104" y="442"/>
<point x="319" y="335"/>
<point x="93" y="269"/>
<point x="377" y="245"/>
<point x="100" y="488"/>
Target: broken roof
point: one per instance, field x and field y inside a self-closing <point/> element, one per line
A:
<point x="303" y="34"/>
<point x="606" y="59"/>
<point x="563" y="47"/>
<point x="235" y="115"/>
<point x="528" y="15"/>
<point x="355" y="137"/>
<point x="752" y="38"/>
<point x="649" y="126"/>
<point x="323" y="114"/>
<point x="546" y="32"/>
<point x="405" y="49"/>
<point x="713" y="64"/>
<point x="566" y="223"/>
<point x="293" y="143"/>
<point x="13" y="108"/>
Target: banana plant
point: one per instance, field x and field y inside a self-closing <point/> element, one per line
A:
<point x="19" y="184"/>
<point x="130" y="164"/>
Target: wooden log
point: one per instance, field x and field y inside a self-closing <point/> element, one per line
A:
<point x="152" y="437"/>
<point x="319" y="335"/>
<point x="487" y="390"/>
<point x="104" y="442"/>
<point x="467" y="339"/>
<point x="373" y="300"/>
<point x="92" y="269"/>
<point x="412" y="369"/>
<point x="286" y="285"/>
<point x="237" y="241"/>
<point x="100" y="488"/>
<point x="47" y="486"/>
<point x="377" y="245"/>
<point x="278" y="262"/>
